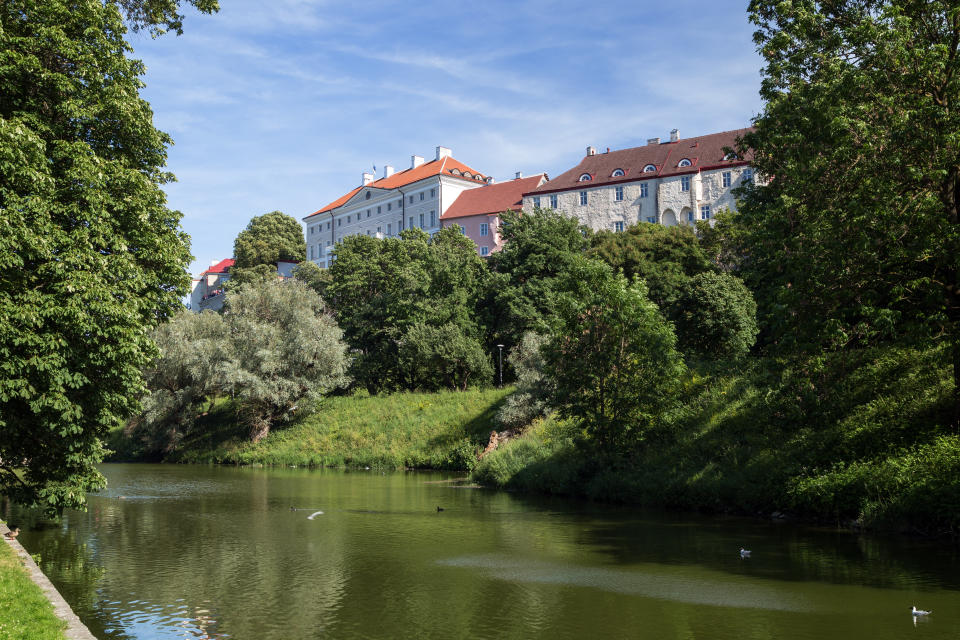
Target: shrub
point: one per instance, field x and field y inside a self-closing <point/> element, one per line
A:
<point x="716" y="316"/>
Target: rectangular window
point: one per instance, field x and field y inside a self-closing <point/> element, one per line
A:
<point x="433" y="193"/>
<point x="410" y="226"/>
<point x="484" y="251"/>
<point x="433" y="219"/>
<point x="411" y="199"/>
<point x="388" y="205"/>
<point x="643" y="189"/>
<point x="536" y="203"/>
<point x="348" y="219"/>
<point x="583" y="198"/>
<point x="328" y="226"/>
<point x="312" y="229"/>
<point x="378" y="209"/>
<point x="484" y="229"/>
<point x="618" y="194"/>
<point x="339" y="221"/>
<point x="421" y="195"/>
<point x="311" y="251"/>
<point x="651" y="219"/>
<point x="685" y="183"/>
<point x="553" y="202"/>
<point x="748" y="175"/>
<point x="618" y="226"/>
<point x="379" y="229"/>
<point x="705" y="212"/>
<point x="689" y="216"/>
<point x="421" y="221"/>
<point x="727" y="178"/>
<point x="389" y="228"/>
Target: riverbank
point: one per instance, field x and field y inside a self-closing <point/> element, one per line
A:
<point x="397" y="431"/>
<point x="859" y="438"/>
<point x="30" y="606"/>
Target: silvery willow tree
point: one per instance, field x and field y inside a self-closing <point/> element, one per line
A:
<point x="855" y="239"/>
<point x="91" y="258"/>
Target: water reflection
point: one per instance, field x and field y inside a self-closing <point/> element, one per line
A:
<point x="205" y="552"/>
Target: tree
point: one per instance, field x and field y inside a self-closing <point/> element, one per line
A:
<point x="534" y="389"/>
<point x="857" y="232"/>
<point x="612" y="357"/>
<point x="268" y="239"/>
<point x="288" y="352"/>
<point x="443" y="356"/>
<point x="313" y="276"/>
<point x="717" y="316"/>
<point x="90" y="256"/>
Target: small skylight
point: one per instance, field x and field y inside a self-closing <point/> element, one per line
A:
<point x="586" y="177"/>
<point x="684" y="163"/>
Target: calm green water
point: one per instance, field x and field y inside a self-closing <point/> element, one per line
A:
<point x="207" y="552"/>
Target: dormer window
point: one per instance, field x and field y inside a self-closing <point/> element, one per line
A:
<point x="617" y="173"/>
<point x="455" y="172"/>
<point x="684" y="163"/>
<point x="730" y="156"/>
<point x="650" y="168"/>
<point x="586" y="177"/>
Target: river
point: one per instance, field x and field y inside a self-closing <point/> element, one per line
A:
<point x="216" y="552"/>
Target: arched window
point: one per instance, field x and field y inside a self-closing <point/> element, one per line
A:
<point x="455" y="172"/>
<point x="684" y="163"/>
<point x="368" y="195"/>
<point x="467" y="174"/>
<point x="617" y="173"/>
<point x="730" y="156"/>
<point x="649" y="168"/>
<point x="586" y="177"/>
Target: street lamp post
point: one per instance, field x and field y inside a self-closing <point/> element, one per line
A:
<point x="500" y="346"/>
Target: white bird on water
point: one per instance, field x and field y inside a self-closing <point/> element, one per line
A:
<point x="744" y="553"/>
<point x="920" y="612"/>
<point x="314" y="515"/>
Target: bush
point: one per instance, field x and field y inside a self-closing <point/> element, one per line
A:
<point x="530" y="401"/>
<point x="716" y="316"/>
<point x="443" y="357"/>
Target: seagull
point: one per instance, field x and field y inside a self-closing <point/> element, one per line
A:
<point x="920" y="612"/>
<point x="744" y="553"/>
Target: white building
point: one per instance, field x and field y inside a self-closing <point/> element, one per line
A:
<point x="675" y="182"/>
<point x="414" y="197"/>
<point x="208" y="288"/>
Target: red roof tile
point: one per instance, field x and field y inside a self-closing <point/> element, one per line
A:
<point x="221" y="267"/>
<point x="704" y="152"/>
<point x="493" y="198"/>
<point x="447" y="166"/>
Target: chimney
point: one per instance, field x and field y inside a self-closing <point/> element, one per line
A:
<point x="519" y="175"/>
<point x="674" y="135"/>
<point x="490" y="180"/>
<point x="367" y="178"/>
<point x="608" y="149"/>
<point x="387" y="171"/>
<point x="653" y="141"/>
<point x="415" y="161"/>
<point x="443" y="152"/>
<point x="591" y="151"/>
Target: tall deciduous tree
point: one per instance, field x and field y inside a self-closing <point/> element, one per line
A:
<point x="90" y="256"/>
<point x="269" y="238"/>
<point x="860" y="223"/>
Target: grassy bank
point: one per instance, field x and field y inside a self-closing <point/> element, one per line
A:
<point x="24" y="611"/>
<point x="404" y="430"/>
<point x="854" y="436"/>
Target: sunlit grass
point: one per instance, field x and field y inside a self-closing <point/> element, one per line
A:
<point x="24" y="611"/>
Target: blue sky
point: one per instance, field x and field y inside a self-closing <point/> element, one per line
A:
<point x="282" y="104"/>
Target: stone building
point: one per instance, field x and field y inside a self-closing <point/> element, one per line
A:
<point x="477" y="211"/>
<point x="415" y="197"/>
<point x="675" y="182"/>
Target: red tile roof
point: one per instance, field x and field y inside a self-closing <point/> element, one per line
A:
<point x="221" y="267"/>
<point x="493" y="198"/>
<point x="447" y="166"/>
<point x="704" y="152"/>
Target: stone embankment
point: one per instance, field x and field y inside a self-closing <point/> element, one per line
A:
<point x="75" y="629"/>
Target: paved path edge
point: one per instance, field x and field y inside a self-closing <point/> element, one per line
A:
<point x="75" y="630"/>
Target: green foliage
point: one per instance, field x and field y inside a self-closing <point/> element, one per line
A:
<point x="611" y="357"/>
<point x="90" y="256"/>
<point x="534" y="389"/>
<point x="716" y="316"/>
<point x="288" y="352"/>
<point x="268" y="239"/>
<point x="665" y="258"/>
<point x="257" y="274"/>
<point x="443" y="430"/>
<point x="443" y="357"/>
<point x="313" y="276"/>
<point x="25" y="611"/>
<point x="160" y="16"/>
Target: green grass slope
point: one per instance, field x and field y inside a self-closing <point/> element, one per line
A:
<point x="24" y="611"/>
<point x="854" y="436"/>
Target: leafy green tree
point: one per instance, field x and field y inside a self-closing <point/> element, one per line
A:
<point x="664" y="257"/>
<point x="313" y="276"/>
<point x="91" y="258"/>
<point x="612" y="357"/>
<point x="858" y="231"/>
<point x="288" y="352"/>
<point x="717" y="317"/>
<point x="443" y="356"/>
<point x="195" y="355"/>
<point x="268" y="239"/>
<point x="531" y="400"/>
